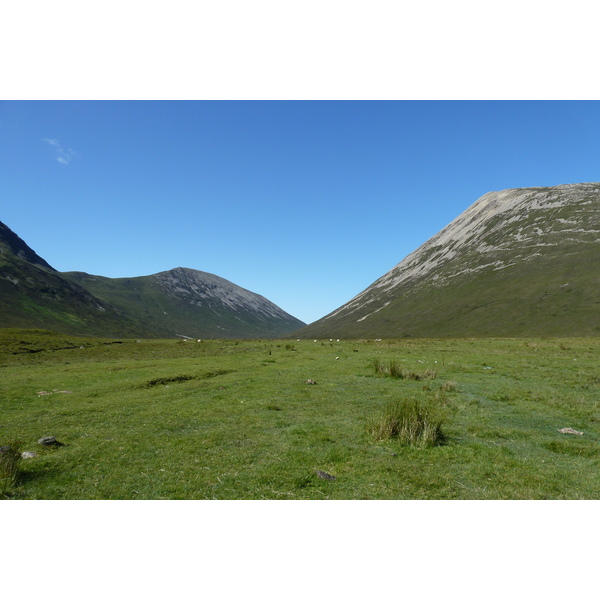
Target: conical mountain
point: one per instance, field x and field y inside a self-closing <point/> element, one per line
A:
<point x="191" y="303"/>
<point x="520" y="262"/>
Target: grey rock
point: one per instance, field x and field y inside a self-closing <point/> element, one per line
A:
<point x="28" y="454"/>
<point x="50" y="441"/>
<point x="324" y="475"/>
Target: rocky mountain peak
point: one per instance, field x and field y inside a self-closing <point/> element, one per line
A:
<point x="200" y="288"/>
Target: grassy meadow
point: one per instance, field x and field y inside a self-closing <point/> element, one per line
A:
<point x="229" y="419"/>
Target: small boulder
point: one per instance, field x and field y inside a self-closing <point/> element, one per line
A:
<point x="28" y="454"/>
<point x="49" y="441"/>
<point x="324" y="475"/>
<point x="311" y="382"/>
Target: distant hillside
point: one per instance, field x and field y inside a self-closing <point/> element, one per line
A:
<point x="521" y="262"/>
<point x="181" y="302"/>
<point x="33" y="294"/>
<point x="191" y="303"/>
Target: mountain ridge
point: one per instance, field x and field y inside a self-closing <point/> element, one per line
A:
<point x="178" y="302"/>
<point x="192" y="303"/>
<point x="520" y="241"/>
<point x="10" y="241"/>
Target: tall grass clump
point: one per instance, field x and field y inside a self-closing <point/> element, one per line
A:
<point x="392" y="369"/>
<point x="449" y="387"/>
<point x="410" y="422"/>
<point x="10" y="457"/>
<point x="395" y="371"/>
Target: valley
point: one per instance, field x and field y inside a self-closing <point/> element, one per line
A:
<point x="238" y="419"/>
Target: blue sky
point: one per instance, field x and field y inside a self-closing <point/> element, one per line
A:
<point x="304" y="202"/>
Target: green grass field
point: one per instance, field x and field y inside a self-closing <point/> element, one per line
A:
<point x="227" y="419"/>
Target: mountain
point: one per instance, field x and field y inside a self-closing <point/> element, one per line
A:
<point x="12" y="244"/>
<point x="191" y="303"/>
<point x="180" y="302"/>
<point x="35" y="295"/>
<point x="520" y="262"/>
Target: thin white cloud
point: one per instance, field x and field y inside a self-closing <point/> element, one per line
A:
<point x="63" y="155"/>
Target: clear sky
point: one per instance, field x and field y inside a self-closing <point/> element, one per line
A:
<point x="304" y="202"/>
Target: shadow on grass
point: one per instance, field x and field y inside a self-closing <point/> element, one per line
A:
<point x="31" y="474"/>
<point x="572" y="448"/>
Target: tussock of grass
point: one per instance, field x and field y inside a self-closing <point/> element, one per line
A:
<point x="410" y="422"/>
<point x="449" y="387"/>
<point x="502" y="398"/>
<point x="396" y="371"/>
<point x="10" y="457"/>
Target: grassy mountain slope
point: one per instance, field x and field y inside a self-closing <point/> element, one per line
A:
<point x="191" y="303"/>
<point x="178" y="302"/>
<point x="522" y="262"/>
<point x="33" y="294"/>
